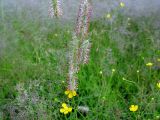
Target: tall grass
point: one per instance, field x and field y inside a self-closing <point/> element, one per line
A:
<point x="34" y="68"/>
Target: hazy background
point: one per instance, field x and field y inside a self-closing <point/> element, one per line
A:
<point x="39" y="8"/>
<point x="20" y="13"/>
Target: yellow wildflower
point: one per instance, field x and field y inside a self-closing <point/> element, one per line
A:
<point x="122" y="4"/>
<point x="56" y="35"/>
<point x="158" y="84"/>
<point x="70" y="93"/>
<point x="113" y="70"/>
<point x="63" y="81"/>
<point x="158" y="59"/>
<point x="100" y="72"/>
<point x="65" y="109"/>
<point x="133" y="108"/>
<point x="157" y="117"/>
<point x="108" y="16"/>
<point x="149" y="64"/>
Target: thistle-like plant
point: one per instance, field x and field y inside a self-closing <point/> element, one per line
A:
<point x="73" y="63"/>
<point x="80" y="45"/>
<point x="55" y="8"/>
<point x="83" y="18"/>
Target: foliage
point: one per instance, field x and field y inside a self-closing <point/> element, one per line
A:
<point x="34" y="68"/>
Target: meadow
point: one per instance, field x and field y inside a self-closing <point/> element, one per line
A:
<point x="123" y="69"/>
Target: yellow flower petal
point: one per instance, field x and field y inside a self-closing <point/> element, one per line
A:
<point x="149" y="64"/>
<point x="133" y="108"/>
<point x="74" y="93"/>
<point x="67" y="92"/>
<point x="158" y="59"/>
<point x="100" y="72"/>
<point x="158" y="84"/>
<point x="64" y="105"/>
<point x="122" y="4"/>
<point x="108" y="16"/>
<point x="113" y="70"/>
<point x="70" y="95"/>
<point x="62" y="110"/>
<point x="69" y="109"/>
<point x="65" y="112"/>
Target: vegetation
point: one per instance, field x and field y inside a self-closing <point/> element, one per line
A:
<point x="123" y="70"/>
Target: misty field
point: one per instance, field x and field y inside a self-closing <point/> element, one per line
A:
<point x="119" y="81"/>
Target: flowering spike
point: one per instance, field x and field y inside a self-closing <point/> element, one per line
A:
<point x="59" y="8"/>
<point x="55" y="8"/>
<point x="51" y="10"/>
<point x="73" y="63"/>
<point x="83" y="18"/>
<point x="85" y="50"/>
<point x="80" y="46"/>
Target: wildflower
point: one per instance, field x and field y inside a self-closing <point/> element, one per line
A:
<point x="157" y="117"/>
<point x="113" y="70"/>
<point x="51" y="9"/>
<point x="122" y="4"/>
<point x="158" y="84"/>
<point x="83" y="18"/>
<point x="149" y="64"/>
<point x="80" y="45"/>
<point x="65" y="109"/>
<point x="63" y="81"/>
<point x="133" y="108"/>
<point x="55" y="8"/>
<point x="137" y="71"/>
<point x="55" y="35"/>
<point x="73" y="63"/>
<point x="108" y="16"/>
<point x="100" y="72"/>
<point x="158" y="59"/>
<point x="85" y="51"/>
<point x="70" y="93"/>
<point x="128" y="18"/>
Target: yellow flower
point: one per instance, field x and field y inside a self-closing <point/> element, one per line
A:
<point x="65" y="109"/>
<point x="149" y="64"/>
<point x="158" y="85"/>
<point x="100" y="72"/>
<point x="56" y="35"/>
<point x="137" y="71"/>
<point x="113" y="70"/>
<point x="157" y="117"/>
<point x="133" y="108"/>
<point x="63" y="81"/>
<point x="108" y="16"/>
<point x="70" y="93"/>
<point x="158" y="59"/>
<point x="122" y="4"/>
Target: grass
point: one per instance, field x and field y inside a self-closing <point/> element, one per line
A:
<point x="34" y="68"/>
